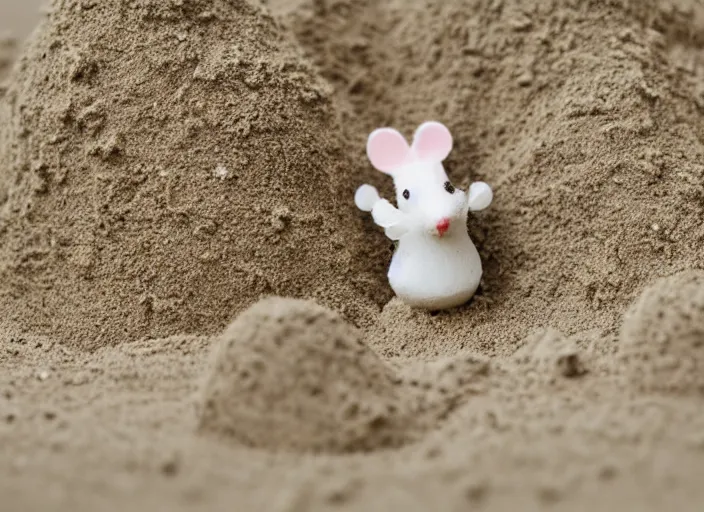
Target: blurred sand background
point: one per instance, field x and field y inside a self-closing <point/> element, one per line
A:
<point x="18" y="17"/>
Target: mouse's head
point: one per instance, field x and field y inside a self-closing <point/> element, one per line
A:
<point x="423" y="190"/>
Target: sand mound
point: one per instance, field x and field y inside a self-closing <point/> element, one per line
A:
<point x="549" y="352"/>
<point x="567" y="110"/>
<point x="291" y="375"/>
<point x="168" y="163"/>
<point x="662" y="338"/>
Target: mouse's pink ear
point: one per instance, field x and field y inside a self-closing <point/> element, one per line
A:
<point x="387" y="149"/>
<point x="432" y="141"/>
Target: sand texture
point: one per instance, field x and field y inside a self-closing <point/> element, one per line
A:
<point x="168" y="199"/>
<point x="195" y="316"/>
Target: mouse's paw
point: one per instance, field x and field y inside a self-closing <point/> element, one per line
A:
<point x="480" y="196"/>
<point x="366" y="197"/>
<point x="385" y="214"/>
<point x="396" y="231"/>
<point x="390" y="218"/>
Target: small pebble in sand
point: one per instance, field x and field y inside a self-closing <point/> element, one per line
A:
<point x="221" y="172"/>
<point x="525" y="79"/>
<point x="171" y="465"/>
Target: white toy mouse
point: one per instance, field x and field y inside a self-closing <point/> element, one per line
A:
<point x="435" y="265"/>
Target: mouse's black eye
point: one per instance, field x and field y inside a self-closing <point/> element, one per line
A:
<point x="449" y="187"/>
<point x="406" y="194"/>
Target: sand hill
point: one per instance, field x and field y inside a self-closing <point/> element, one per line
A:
<point x="166" y="165"/>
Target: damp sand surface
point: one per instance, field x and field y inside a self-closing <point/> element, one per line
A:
<point x="193" y="314"/>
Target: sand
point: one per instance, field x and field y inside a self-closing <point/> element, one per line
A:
<point x="193" y="314"/>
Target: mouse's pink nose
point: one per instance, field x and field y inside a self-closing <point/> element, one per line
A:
<point x="442" y="226"/>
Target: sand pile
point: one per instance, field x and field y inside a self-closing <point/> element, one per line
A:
<point x="291" y="375"/>
<point x="584" y="121"/>
<point x="662" y="338"/>
<point x="165" y="165"/>
<point x="551" y="353"/>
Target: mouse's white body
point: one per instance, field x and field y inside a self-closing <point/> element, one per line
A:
<point x="435" y="265"/>
<point x="431" y="273"/>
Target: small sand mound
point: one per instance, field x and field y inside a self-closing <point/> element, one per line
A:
<point x="550" y="352"/>
<point x="166" y="164"/>
<point x="292" y="375"/>
<point x="663" y="335"/>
